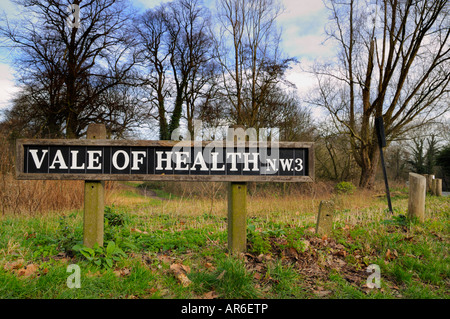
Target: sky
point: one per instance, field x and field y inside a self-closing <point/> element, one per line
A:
<point x="302" y="24"/>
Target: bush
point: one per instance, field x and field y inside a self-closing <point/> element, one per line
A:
<point x="345" y="188"/>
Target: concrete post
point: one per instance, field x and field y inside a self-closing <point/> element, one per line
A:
<point x="94" y="206"/>
<point x="417" y="192"/>
<point x="324" y="225"/>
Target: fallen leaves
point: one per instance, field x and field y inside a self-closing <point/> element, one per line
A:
<point x="321" y="292"/>
<point x="28" y="271"/>
<point x="390" y="255"/>
<point x="137" y="230"/>
<point x="122" y="272"/>
<point x="210" y="295"/>
<point x="22" y="270"/>
<point x="180" y="271"/>
<point x="313" y="257"/>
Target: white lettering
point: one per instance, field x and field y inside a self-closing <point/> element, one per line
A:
<point x="126" y="160"/>
<point x="233" y="160"/>
<point x="254" y="161"/>
<point x="214" y="163"/>
<point x="272" y="163"/>
<point x="198" y="309"/>
<point x="299" y="163"/>
<point x="75" y="161"/>
<point x="286" y="163"/>
<point x="180" y="160"/>
<point x="58" y="159"/>
<point x="94" y="160"/>
<point x="199" y="160"/>
<point x="159" y="160"/>
<point x="37" y="161"/>
<point x="137" y="160"/>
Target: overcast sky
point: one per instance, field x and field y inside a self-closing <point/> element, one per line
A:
<point x="302" y="23"/>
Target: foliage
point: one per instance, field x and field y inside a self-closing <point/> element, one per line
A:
<point x="443" y="159"/>
<point x="285" y="258"/>
<point x="114" y="217"/>
<point x="345" y="188"/>
<point x="101" y="256"/>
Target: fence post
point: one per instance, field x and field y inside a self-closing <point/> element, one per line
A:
<point x="237" y="217"/>
<point x="324" y="225"/>
<point x="437" y="187"/>
<point x="237" y="203"/>
<point x="94" y="199"/>
<point x="430" y="178"/>
<point x="416" y="201"/>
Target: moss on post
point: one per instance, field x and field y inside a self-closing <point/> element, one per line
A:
<point x="324" y="224"/>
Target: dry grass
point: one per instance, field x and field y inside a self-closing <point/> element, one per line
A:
<point x="299" y="208"/>
<point x="42" y="196"/>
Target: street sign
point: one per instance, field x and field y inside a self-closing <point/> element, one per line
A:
<point x="164" y="160"/>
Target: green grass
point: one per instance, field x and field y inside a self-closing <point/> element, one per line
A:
<point x="285" y="258"/>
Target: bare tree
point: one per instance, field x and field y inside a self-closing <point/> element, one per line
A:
<point x="176" y="48"/>
<point x="393" y="62"/>
<point x="151" y="30"/>
<point x="248" y="52"/>
<point x="73" y="59"/>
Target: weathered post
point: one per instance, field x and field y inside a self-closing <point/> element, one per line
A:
<point x="237" y="217"/>
<point x="237" y="203"/>
<point x="437" y="187"/>
<point x="416" y="201"/>
<point x="324" y="225"/>
<point x="94" y="199"/>
<point x="430" y="178"/>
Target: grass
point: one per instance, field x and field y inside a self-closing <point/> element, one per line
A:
<point x="176" y="247"/>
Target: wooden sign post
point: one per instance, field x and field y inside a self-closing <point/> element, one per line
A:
<point x="97" y="159"/>
<point x="237" y="202"/>
<point x="94" y="204"/>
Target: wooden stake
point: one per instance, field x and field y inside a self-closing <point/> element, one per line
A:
<point x="430" y="178"/>
<point x="237" y="217"/>
<point x="237" y="203"/>
<point x="437" y="187"/>
<point x="417" y="192"/>
<point x="94" y="206"/>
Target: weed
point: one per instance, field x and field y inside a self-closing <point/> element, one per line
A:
<point x="285" y="278"/>
<point x="233" y="280"/>
<point x="114" y="217"/>
<point x="101" y="256"/>
<point x="259" y="243"/>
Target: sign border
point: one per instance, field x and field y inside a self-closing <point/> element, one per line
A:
<point x="19" y="164"/>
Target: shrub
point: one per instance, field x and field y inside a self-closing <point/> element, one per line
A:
<point x="345" y="188"/>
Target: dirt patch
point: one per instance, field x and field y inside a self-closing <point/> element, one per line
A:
<point x="315" y="261"/>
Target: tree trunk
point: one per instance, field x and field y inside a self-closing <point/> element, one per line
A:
<point x="72" y="125"/>
<point x="369" y="167"/>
